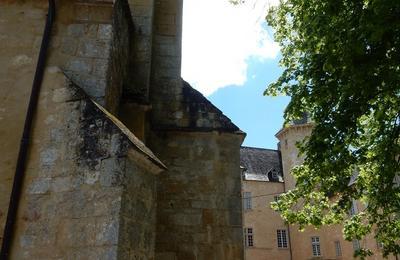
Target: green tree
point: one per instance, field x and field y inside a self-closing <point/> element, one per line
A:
<point x="341" y="61"/>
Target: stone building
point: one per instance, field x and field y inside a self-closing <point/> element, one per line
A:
<point x="262" y="183"/>
<point x="265" y="175"/>
<point x="125" y="160"/>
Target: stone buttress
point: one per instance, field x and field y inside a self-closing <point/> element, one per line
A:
<point x="92" y="188"/>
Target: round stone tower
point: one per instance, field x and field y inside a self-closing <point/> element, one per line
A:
<point x="288" y="137"/>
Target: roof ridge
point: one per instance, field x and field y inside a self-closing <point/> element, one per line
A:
<point x="259" y="148"/>
<point x="196" y="101"/>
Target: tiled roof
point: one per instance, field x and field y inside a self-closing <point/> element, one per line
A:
<point x="260" y="164"/>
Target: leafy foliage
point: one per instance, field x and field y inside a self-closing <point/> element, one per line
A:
<point x="341" y="62"/>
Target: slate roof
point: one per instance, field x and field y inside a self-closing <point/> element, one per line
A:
<point x="259" y="163"/>
<point x="202" y="110"/>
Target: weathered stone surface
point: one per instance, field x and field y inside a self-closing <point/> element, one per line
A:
<point x="94" y="48"/>
<point x="90" y="190"/>
<point x="49" y="156"/>
<point x="79" y="65"/>
<point x="80" y="211"/>
<point x="105" y="31"/>
<point x="40" y="186"/>
<point x="198" y="199"/>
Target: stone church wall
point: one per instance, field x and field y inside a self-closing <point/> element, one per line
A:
<point x="166" y="83"/>
<point x="85" y="182"/>
<point x="141" y="57"/>
<point x="199" y="206"/>
<point x="90" y="187"/>
<point x="21" y="28"/>
<point x="87" y="186"/>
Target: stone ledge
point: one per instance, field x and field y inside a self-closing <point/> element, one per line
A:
<point x="79" y="94"/>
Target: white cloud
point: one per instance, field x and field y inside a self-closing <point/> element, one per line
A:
<point x="219" y="37"/>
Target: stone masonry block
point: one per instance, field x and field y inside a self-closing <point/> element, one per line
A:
<point x="69" y="45"/>
<point x="60" y="95"/>
<point x="107" y="231"/>
<point x="161" y="39"/>
<point x="141" y="10"/>
<point x="40" y="186"/>
<point x="62" y="184"/>
<point x="81" y="12"/>
<point x="166" y="29"/>
<point x="167" y="50"/>
<point x="143" y="44"/>
<point x="48" y="157"/>
<point x="167" y="19"/>
<point x="111" y="172"/>
<point x="83" y="65"/>
<point x="38" y="14"/>
<point x="91" y="30"/>
<point x="143" y="25"/>
<point x="141" y="56"/>
<point x="77" y="232"/>
<point x="168" y="72"/>
<point x="187" y="219"/>
<point x="168" y="6"/>
<point x="105" y="31"/>
<point x="94" y="48"/>
<point x="100" y="67"/>
<point x="91" y="177"/>
<point x="235" y="218"/>
<point x="107" y="253"/>
<point x="140" y="2"/>
<point x="94" y="86"/>
<point x="76" y="30"/>
<point x="170" y="62"/>
<point x="115" y="144"/>
<point x="101" y="14"/>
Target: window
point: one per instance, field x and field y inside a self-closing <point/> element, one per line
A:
<point x="379" y="245"/>
<point x="316" y="247"/>
<point x="248" y="237"/>
<point x="353" y="209"/>
<point x="356" y="244"/>
<point x="282" y="238"/>
<point x="273" y="175"/>
<point x="338" y="248"/>
<point x="247" y="200"/>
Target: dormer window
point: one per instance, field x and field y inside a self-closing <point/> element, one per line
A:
<point x="273" y="175"/>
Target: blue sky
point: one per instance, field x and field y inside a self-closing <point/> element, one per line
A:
<point x="228" y="54"/>
<point x="261" y="117"/>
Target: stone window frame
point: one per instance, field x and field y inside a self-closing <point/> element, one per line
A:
<point x="356" y="244"/>
<point x="282" y="238"/>
<point x="338" y="248"/>
<point x="353" y="209"/>
<point x="316" y="246"/>
<point x="249" y="237"/>
<point x="247" y="201"/>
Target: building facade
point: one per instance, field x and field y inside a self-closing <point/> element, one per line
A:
<point x="271" y="238"/>
<point x="265" y="232"/>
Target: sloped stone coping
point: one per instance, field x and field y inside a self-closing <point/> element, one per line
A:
<point x="78" y="93"/>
